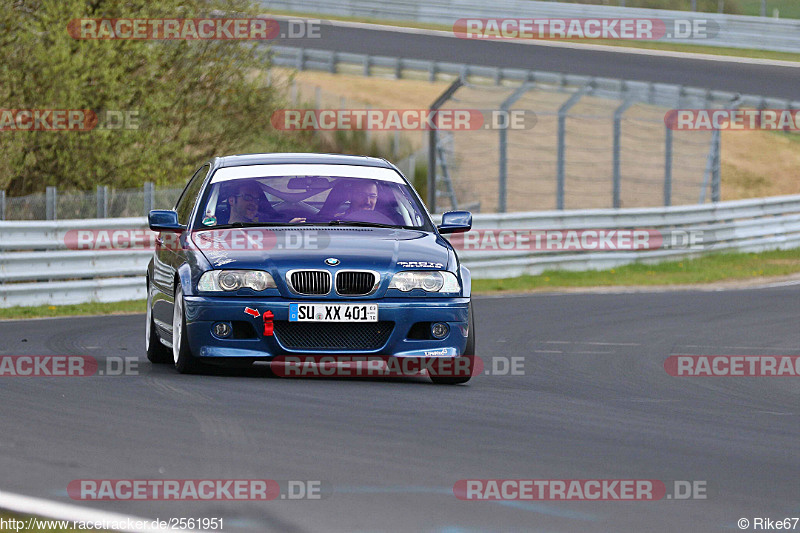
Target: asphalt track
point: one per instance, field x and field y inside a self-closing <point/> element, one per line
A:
<point x="594" y="403"/>
<point x="724" y="74"/>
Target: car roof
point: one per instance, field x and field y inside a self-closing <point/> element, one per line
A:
<point x="299" y="158"/>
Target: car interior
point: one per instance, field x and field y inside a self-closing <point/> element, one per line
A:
<point x="314" y="198"/>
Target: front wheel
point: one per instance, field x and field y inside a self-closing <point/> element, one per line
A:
<point x="466" y="361"/>
<point x="185" y="362"/>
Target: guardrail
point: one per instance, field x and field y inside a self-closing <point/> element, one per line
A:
<point x="744" y="225"/>
<point x="37" y="268"/>
<point x="735" y="31"/>
<point x="660" y="94"/>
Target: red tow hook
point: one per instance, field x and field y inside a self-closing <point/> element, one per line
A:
<point x="268" y="326"/>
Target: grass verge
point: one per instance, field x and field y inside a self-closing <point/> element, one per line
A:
<point x="92" y="308"/>
<point x="708" y="269"/>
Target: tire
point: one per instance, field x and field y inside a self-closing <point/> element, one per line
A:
<point x="467" y="359"/>
<point x="185" y="362"/>
<point x="157" y="353"/>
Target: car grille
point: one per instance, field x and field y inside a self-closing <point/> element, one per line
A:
<point x="310" y="281"/>
<point x="355" y="283"/>
<point x="333" y="335"/>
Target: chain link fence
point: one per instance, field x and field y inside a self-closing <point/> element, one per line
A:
<point x="104" y="202"/>
<point x="573" y="148"/>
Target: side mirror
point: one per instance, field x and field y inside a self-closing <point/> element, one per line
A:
<point x="163" y="220"/>
<point x="455" y="222"/>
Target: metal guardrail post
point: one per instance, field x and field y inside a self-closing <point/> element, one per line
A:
<point x="562" y="124"/>
<point x="332" y="63"/>
<point x="102" y="201"/>
<point x="149" y="197"/>
<point x="715" y="172"/>
<point x="616" y="200"/>
<point x="503" y="166"/>
<point x="433" y="141"/>
<point x="667" y="166"/>
<point x="2" y="205"/>
<point x="50" y="203"/>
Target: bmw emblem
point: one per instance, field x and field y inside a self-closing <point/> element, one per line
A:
<point x="332" y="261"/>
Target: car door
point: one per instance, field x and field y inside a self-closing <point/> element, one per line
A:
<point x="169" y="254"/>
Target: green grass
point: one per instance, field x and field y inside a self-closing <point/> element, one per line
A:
<point x="94" y="308"/>
<point x="707" y="269"/>
<point x="647" y="45"/>
<point x="711" y="268"/>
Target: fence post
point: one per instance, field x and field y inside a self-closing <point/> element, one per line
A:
<point x="102" y="201"/>
<point x="616" y="200"/>
<point x="149" y="197"/>
<point x="562" y="124"/>
<point x="503" y="166"/>
<point x="668" y="167"/>
<point x="433" y="141"/>
<point x="2" y="205"/>
<point x="50" y="202"/>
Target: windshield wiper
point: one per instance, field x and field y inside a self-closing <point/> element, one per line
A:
<point x="245" y="225"/>
<point x="364" y="224"/>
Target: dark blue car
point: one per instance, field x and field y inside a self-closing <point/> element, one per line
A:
<point x="270" y="256"/>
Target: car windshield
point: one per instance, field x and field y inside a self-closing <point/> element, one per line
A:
<point x="315" y="200"/>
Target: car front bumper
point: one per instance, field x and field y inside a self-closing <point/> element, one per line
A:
<point x="203" y="312"/>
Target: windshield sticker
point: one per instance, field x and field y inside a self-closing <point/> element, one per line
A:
<point x="210" y="221"/>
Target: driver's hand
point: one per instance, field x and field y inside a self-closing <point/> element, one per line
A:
<point x="298" y="219"/>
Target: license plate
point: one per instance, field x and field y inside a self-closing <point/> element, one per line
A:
<point x="333" y="312"/>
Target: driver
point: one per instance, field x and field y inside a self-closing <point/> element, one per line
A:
<point x="244" y="204"/>
<point x="363" y="196"/>
<point x="243" y="201"/>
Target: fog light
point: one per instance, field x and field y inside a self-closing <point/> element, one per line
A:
<point x="222" y="329"/>
<point x="440" y="330"/>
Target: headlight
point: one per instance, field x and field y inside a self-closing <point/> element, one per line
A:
<point x="431" y="281"/>
<point x="233" y="280"/>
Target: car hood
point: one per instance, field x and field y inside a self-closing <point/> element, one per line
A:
<point x="278" y="250"/>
